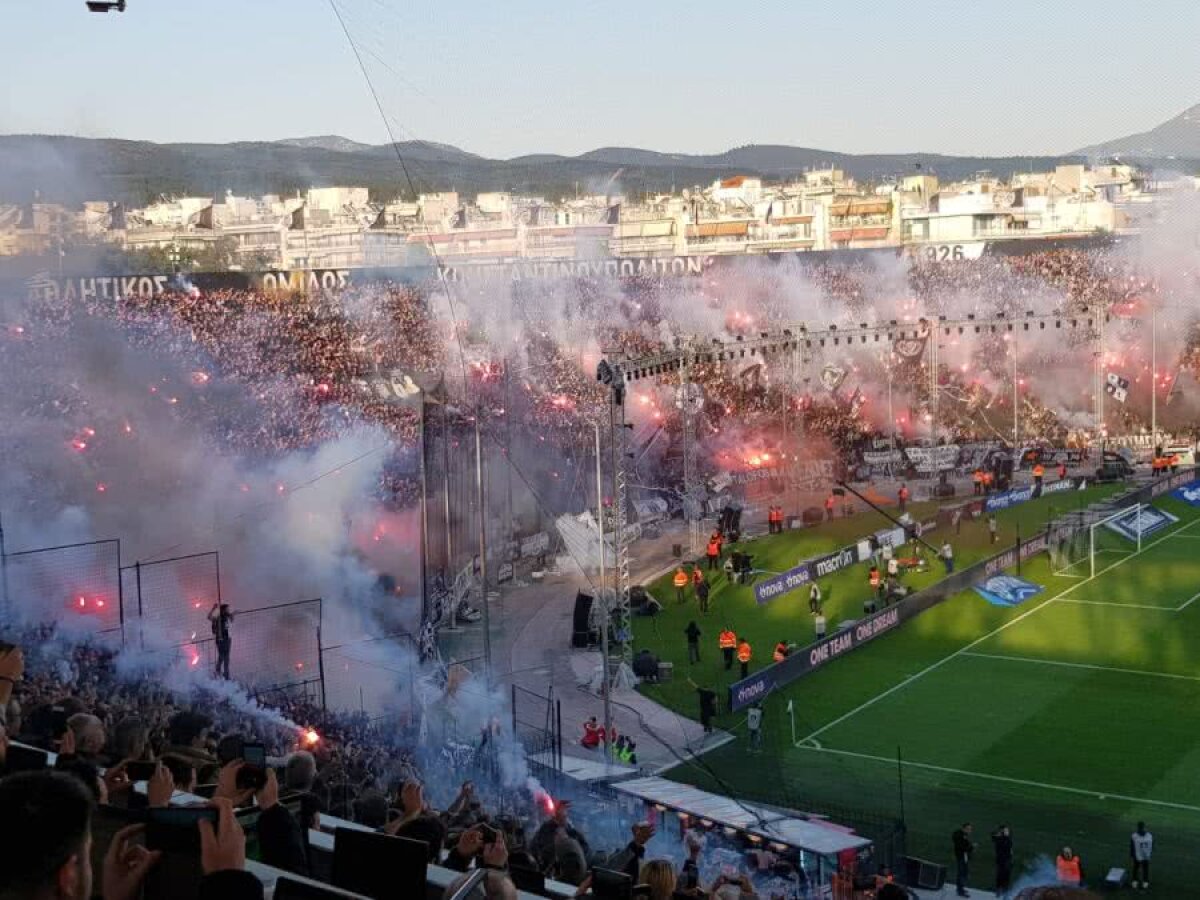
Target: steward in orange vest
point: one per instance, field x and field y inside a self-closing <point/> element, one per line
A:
<point x="681" y="582"/>
<point x="977" y="477"/>
<point x="1068" y="868"/>
<point x="743" y="655"/>
<point x="727" y="641"/>
<point x="1039" y="472"/>
<point x="713" y="552"/>
<point x="829" y="508"/>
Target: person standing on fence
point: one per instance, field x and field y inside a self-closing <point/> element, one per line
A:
<point x="221" y="619"/>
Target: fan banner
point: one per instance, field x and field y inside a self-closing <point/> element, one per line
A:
<point x="832" y="377"/>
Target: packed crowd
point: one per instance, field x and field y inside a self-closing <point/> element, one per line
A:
<point x="112" y="729"/>
<point x="266" y="373"/>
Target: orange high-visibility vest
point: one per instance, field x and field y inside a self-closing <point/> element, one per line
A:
<point x="1069" y="870"/>
<point x="727" y="640"/>
<point x="874" y="577"/>
<point x="780" y="651"/>
<point x="714" y="548"/>
<point x="1039" y="470"/>
<point x="744" y="652"/>
<point x="681" y="578"/>
<point x="1175" y="459"/>
<point x="829" y="502"/>
<point x="978" y="476"/>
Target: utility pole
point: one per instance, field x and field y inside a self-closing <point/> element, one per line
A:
<point x="605" y="617"/>
<point x="483" y="571"/>
<point x="1153" y="378"/>
<point x="1016" y="398"/>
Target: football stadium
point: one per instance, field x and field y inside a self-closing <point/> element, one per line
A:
<point x="519" y="511"/>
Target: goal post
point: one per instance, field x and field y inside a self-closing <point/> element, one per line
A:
<point x="1103" y="540"/>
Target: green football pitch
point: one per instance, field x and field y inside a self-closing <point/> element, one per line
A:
<point x="1068" y="718"/>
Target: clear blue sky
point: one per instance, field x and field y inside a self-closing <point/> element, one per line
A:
<point x="506" y="78"/>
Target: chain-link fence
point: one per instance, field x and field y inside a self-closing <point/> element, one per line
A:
<point x="73" y="585"/>
<point x="170" y="599"/>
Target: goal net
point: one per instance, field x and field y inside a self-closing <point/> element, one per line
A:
<point x="1087" y="546"/>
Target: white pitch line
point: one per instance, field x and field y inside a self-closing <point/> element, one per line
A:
<point x="1122" y="605"/>
<point x="1188" y="603"/>
<point x="1041" y="785"/>
<point x="995" y="631"/>
<point x="1071" y="665"/>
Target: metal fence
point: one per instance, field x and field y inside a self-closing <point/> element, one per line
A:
<point x="170" y="598"/>
<point x="72" y="583"/>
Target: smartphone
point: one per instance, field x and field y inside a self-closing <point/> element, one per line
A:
<point x="176" y="829"/>
<point x="253" y="774"/>
<point x="140" y="770"/>
<point x="489" y="833"/>
<point x="255" y="755"/>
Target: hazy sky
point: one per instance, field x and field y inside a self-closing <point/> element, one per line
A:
<point x="521" y="76"/>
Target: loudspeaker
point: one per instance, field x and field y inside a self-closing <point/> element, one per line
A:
<point x="581" y="623"/>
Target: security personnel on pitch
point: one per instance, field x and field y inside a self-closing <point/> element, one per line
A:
<point x="875" y="580"/>
<point x="1068" y="868"/>
<point x="681" y="582"/>
<point x="743" y="655"/>
<point x="727" y="641"/>
<point x="1039" y="473"/>
<point x="977" y="477"/>
<point x="829" y="508"/>
<point x="713" y="551"/>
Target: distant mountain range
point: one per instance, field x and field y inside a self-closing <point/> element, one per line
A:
<point x="71" y="169"/>
<point x="1175" y="139"/>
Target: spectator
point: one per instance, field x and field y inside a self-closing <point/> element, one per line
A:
<point x="187" y="737"/>
<point x="542" y="845"/>
<point x="689" y="873"/>
<point x="371" y="809"/>
<point x="416" y="822"/>
<point x="89" y="737"/>
<point x="495" y="886"/>
<point x="629" y="860"/>
<point x="693" y="642"/>
<point x="659" y="876"/>
<point x="183" y="773"/>
<point x="130" y="740"/>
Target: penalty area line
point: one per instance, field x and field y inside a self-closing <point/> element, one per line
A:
<point x="1005" y="779"/>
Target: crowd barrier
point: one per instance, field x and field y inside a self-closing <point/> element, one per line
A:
<point x="808" y="659"/>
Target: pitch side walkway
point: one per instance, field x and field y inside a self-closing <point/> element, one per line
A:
<point x="532" y="650"/>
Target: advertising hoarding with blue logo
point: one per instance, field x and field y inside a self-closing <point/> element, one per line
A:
<point x="1007" y="590"/>
<point x="1143" y="521"/>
